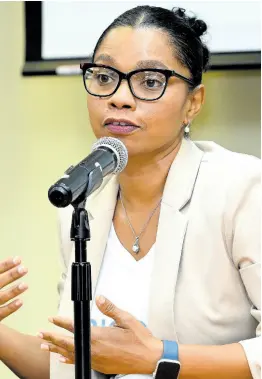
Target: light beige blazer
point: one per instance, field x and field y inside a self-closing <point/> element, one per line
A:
<point x="205" y="286"/>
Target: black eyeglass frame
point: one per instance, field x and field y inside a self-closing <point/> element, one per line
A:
<point x="168" y="74"/>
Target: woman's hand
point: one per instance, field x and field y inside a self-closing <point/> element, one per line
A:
<point x="10" y="271"/>
<point x="128" y="347"/>
<point x="60" y="343"/>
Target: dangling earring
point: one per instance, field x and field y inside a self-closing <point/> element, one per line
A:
<point x="187" y="128"/>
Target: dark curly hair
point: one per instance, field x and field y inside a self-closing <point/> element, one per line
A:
<point x="184" y="34"/>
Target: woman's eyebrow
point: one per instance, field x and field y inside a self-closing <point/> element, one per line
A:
<point x="149" y="63"/>
<point x="105" y="57"/>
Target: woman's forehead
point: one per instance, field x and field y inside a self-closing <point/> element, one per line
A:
<point x="136" y="48"/>
<point x="144" y="63"/>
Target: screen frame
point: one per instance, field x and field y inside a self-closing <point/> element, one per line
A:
<point x="34" y="64"/>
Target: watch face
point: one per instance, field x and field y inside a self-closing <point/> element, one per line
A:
<point x="168" y="369"/>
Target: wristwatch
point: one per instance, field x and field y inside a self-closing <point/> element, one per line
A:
<point x="168" y="366"/>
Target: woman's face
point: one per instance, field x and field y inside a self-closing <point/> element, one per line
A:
<point x="160" y="121"/>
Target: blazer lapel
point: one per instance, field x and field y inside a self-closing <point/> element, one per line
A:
<point x="170" y="238"/>
<point x="101" y="210"/>
<point x="100" y="207"/>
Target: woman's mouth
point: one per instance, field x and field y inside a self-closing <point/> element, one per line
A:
<point x="120" y="128"/>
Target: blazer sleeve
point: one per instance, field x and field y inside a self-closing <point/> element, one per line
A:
<point x="246" y="251"/>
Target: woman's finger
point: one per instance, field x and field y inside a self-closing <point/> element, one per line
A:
<point x="10" y="308"/>
<point x="12" y="292"/>
<point x="62" y="322"/>
<point x="66" y="360"/>
<point x="62" y="341"/>
<point x="8" y="264"/>
<point x="68" y="357"/>
<point x="11" y="275"/>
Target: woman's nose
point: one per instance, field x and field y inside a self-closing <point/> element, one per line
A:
<point x="123" y="97"/>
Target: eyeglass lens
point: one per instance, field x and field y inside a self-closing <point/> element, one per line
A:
<point x="102" y="81"/>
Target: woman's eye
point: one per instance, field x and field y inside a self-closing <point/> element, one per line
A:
<point x="153" y="83"/>
<point x="104" y="79"/>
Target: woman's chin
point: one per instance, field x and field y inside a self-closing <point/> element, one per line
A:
<point x="120" y="134"/>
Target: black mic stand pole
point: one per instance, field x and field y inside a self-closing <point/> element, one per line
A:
<point x="81" y="286"/>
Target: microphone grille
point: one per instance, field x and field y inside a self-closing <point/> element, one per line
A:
<point x="117" y="147"/>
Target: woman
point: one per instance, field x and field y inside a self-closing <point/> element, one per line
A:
<point x="175" y="237"/>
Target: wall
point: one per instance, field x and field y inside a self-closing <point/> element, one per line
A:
<point x="44" y="128"/>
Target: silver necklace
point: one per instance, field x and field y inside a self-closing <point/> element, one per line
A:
<point x="136" y="246"/>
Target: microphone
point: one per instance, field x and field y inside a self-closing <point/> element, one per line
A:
<point x="109" y="155"/>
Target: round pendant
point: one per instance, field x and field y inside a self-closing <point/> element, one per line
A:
<point x="136" y="246"/>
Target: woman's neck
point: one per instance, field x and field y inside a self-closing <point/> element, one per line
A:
<point x="142" y="182"/>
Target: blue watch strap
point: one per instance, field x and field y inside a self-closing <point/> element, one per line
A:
<point x="170" y="350"/>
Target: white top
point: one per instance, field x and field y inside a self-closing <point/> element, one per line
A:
<point x="125" y="282"/>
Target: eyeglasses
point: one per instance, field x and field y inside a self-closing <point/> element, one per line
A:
<point x="145" y="84"/>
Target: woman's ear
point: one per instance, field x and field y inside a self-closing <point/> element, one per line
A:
<point x="196" y="100"/>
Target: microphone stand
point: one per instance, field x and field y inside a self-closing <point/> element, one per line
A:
<point x="81" y="291"/>
<point x="81" y="286"/>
